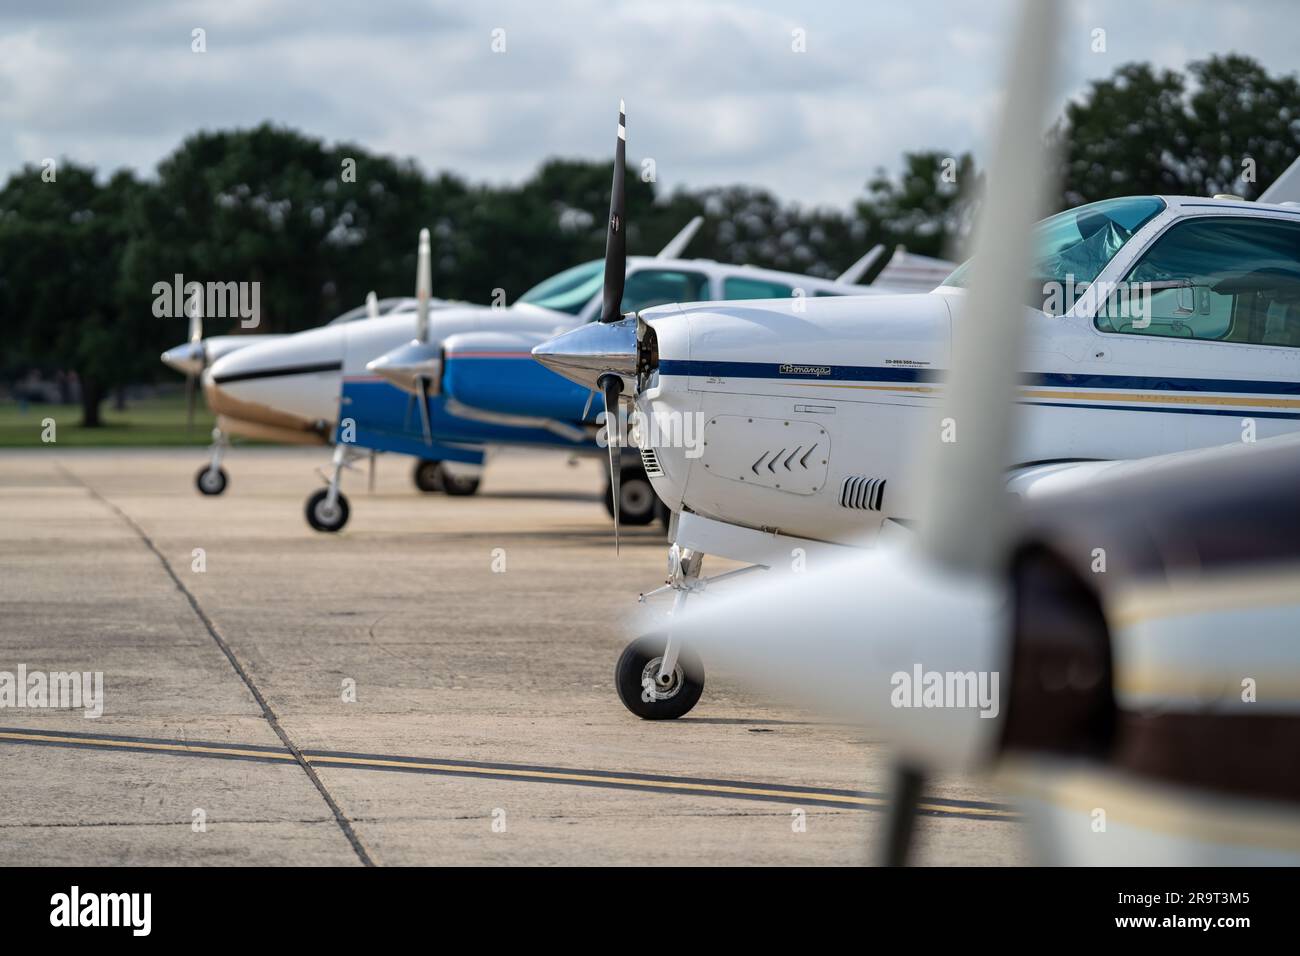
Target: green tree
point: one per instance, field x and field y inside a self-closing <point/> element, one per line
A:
<point x="1143" y="131"/>
<point x="315" y="227"/>
<point x="927" y="208"/>
<point x="1240" y="117"/>
<point x="61" y="243"/>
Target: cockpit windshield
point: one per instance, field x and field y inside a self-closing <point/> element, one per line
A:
<point x="1073" y="247"/>
<point x="570" y="290"/>
<point x="383" y="307"/>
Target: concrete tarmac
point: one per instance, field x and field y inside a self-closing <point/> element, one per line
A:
<point x="431" y="686"/>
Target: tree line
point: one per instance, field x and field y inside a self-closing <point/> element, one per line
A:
<point x="319" y="225"/>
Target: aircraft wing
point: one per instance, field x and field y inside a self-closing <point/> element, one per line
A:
<point x="1033" y="481"/>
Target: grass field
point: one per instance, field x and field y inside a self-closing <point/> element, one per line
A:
<point x="154" y="421"/>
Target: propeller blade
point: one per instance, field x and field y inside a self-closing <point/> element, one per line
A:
<point x="372" y="305"/>
<point x="616" y="237"/>
<point x="195" y="308"/>
<point x="611" y="387"/>
<point x="943" y="604"/>
<point x="189" y="404"/>
<point x="191" y="381"/>
<point x="424" y="411"/>
<point x="423" y="287"/>
<point x="900" y="815"/>
<point x="587" y="407"/>
<point x="964" y="517"/>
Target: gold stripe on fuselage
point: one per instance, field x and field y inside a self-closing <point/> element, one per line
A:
<point x="1129" y="398"/>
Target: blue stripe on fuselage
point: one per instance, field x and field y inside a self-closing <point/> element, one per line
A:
<point x="870" y="373"/>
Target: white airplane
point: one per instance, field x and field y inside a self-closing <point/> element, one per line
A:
<point x="1148" y="709"/>
<point x="193" y="357"/>
<point x="1156" y="324"/>
<point x="297" y="384"/>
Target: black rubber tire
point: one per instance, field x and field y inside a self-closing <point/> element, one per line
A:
<point x="458" y="485"/>
<point x="326" y="522"/>
<point x="207" y="485"/>
<point x="630" y="671"/>
<point x="638" y="503"/>
<point x="427" y="475"/>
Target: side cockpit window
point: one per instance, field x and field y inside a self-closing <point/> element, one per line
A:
<point x="745" y="287"/>
<point x="646" y="288"/>
<point x="1220" y="279"/>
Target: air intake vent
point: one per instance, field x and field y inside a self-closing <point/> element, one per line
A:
<point x="650" y="462"/>
<point x="862" y="493"/>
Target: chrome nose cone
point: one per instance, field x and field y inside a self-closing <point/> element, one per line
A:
<point x="188" y="359"/>
<point x="584" y="354"/>
<point x="407" y="364"/>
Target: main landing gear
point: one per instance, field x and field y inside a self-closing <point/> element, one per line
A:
<point x="327" y="509"/>
<point x="211" y="478"/>
<point x="431" y="476"/>
<point x="428" y="475"/>
<point x="637" y="502"/>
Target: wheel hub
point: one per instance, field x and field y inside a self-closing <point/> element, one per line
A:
<point x="650" y="680"/>
<point x="634" y="497"/>
<point x="326" y="513"/>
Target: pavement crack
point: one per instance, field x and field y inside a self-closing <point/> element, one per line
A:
<point x="267" y="711"/>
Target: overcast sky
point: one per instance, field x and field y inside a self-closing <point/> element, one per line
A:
<point x="715" y="93"/>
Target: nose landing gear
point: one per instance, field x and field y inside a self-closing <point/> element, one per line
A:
<point x="327" y="510"/>
<point x="211" y="478"/>
<point x="652" y="693"/>
<point x="656" y="676"/>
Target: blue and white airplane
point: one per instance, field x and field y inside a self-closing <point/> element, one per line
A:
<point x="192" y="358"/>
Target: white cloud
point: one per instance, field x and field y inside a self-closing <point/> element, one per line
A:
<point x="715" y="93"/>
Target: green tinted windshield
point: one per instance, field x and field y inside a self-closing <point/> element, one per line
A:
<point x="570" y="290"/>
<point x="1076" y="245"/>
